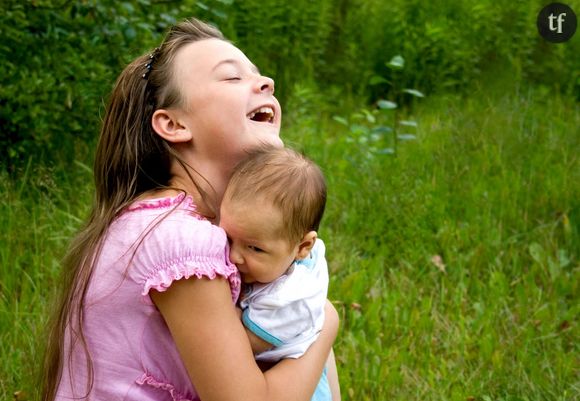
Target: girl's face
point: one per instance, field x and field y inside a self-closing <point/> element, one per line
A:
<point x="228" y="106"/>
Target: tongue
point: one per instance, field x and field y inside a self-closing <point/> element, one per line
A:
<point x="260" y="117"/>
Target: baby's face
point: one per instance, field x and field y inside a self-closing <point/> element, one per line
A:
<point x="256" y="246"/>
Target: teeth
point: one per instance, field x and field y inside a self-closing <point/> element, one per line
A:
<point x="264" y="110"/>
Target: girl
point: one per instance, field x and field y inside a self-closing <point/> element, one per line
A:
<point x="147" y="311"/>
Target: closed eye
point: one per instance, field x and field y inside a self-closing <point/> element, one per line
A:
<point x="256" y="249"/>
<point x="233" y="79"/>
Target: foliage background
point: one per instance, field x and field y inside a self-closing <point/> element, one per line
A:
<point x="59" y="58"/>
<point x="454" y="264"/>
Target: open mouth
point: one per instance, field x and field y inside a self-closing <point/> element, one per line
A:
<point x="264" y="114"/>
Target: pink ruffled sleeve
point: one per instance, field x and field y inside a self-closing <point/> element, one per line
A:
<point x="181" y="246"/>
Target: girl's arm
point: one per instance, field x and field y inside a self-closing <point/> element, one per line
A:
<point x="215" y="349"/>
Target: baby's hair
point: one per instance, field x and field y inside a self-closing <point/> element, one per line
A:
<point x="291" y="181"/>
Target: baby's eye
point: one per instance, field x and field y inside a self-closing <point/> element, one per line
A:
<point x="233" y="79"/>
<point x="256" y="249"/>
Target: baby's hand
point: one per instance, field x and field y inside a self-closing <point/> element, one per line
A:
<point x="239" y="312"/>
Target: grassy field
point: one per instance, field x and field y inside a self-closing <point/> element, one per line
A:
<point x="454" y="263"/>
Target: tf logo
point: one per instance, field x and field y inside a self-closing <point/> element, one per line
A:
<point x="557" y="23"/>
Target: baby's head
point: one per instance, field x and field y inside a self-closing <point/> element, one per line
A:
<point x="271" y="211"/>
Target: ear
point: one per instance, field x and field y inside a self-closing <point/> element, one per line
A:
<point x="168" y="125"/>
<point x="306" y="244"/>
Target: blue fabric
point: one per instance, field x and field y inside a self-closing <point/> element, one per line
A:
<point x="322" y="392"/>
<point x="260" y="332"/>
<point x="310" y="260"/>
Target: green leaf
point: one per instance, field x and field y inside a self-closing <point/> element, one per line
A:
<point x="128" y="7"/>
<point x="414" y="92"/>
<point x="396" y="63"/>
<point x="563" y="258"/>
<point x="377" y="80"/>
<point x="130" y="33"/>
<point x="408" y="123"/>
<point x="381" y="129"/>
<point x="145" y="26"/>
<point x="554" y="268"/>
<point x="406" y="137"/>
<point x="202" y="6"/>
<point x="340" y="120"/>
<point x="386" y="104"/>
<point x="219" y="14"/>
<point x="386" y="151"/>
<point x="369" y="116"/>
<point x="536" y="252"/>
<point x="83" y="166"/>
<point x="358" y="128"/>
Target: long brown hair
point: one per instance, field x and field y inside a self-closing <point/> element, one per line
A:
<point x="131" y="159"/>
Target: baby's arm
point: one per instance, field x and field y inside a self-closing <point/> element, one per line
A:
<point x="258" y="344"/>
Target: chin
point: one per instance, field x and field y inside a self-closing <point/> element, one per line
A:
<point x="264" y="130"/>
<point x="271" y="137"/>
<point x="275" y="142"/>
<point x="265" y="143"/>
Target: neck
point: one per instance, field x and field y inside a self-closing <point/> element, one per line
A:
<point x="205" y="185"/>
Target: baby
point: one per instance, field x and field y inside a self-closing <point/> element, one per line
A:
<point x="271" y="211"/>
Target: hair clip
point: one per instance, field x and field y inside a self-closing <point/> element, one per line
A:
<point x="149" y="64"/>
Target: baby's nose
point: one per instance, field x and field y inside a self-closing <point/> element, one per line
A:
<point x="236" y="256"/>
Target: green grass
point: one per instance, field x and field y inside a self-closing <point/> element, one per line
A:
<point x="490" y="187"/>
<point x="38" y="215"/>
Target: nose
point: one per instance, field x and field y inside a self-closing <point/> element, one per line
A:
<point x="235" y="255"/>
<point x="264" y="84"/>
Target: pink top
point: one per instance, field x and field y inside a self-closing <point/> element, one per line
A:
<point x="134" y="356"/>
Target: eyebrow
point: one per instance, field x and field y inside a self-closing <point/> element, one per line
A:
<point x="236" y="63"/>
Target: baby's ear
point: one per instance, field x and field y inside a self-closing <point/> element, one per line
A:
<point x="306" y="244"/>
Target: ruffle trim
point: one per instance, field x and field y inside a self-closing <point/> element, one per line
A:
<point x="199" y="267"/>
<point x="149" y="380"/>
<point x="166" y="202"/>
